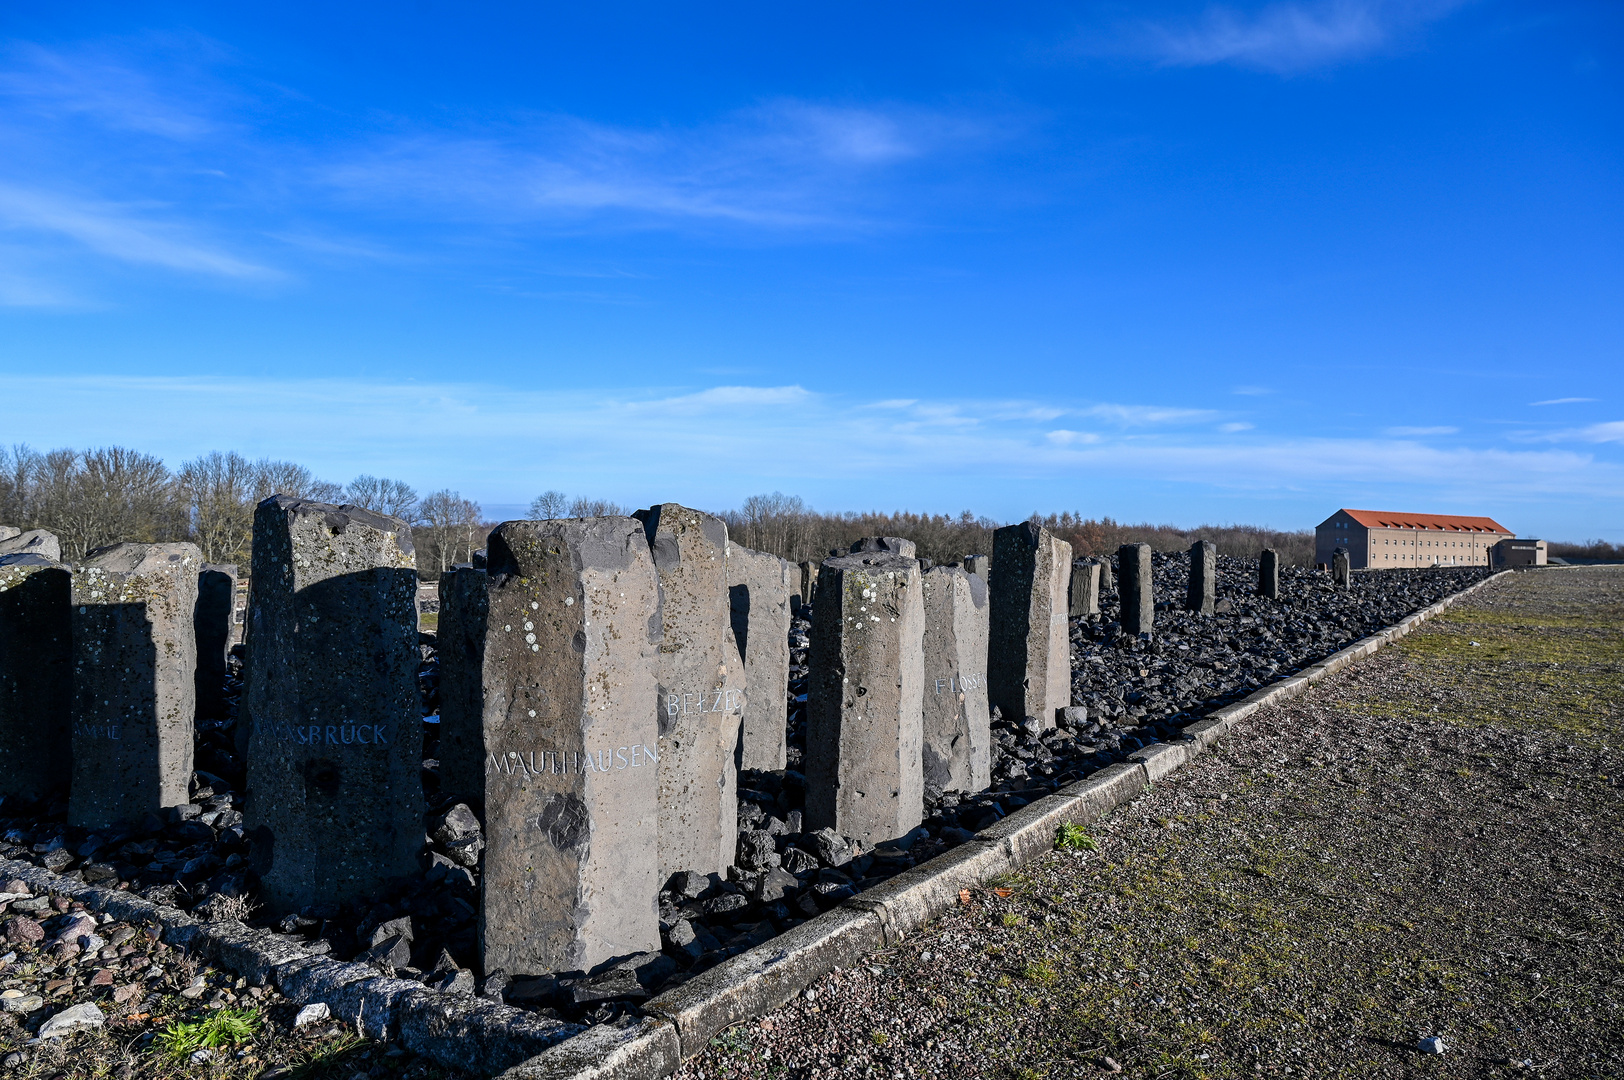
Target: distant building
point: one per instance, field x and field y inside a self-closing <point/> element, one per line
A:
<point x="1379" y="540"/>
<point x="1513" y="553"/>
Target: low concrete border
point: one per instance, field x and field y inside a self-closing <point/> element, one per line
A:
<point x="490" y="1039"/>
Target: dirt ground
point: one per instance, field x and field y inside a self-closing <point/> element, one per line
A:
<point x="1429" y="846"/>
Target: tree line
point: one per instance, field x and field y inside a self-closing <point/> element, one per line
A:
<point x="92" y="498"/>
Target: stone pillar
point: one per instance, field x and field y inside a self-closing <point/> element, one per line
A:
<point x="977" y="565"/>
<point x="36" y="677"/>
<point x="1029" y="650"/>
<point x="335" y="727"/>
<point x="1085" y="588"/>
<point x="1203" y="591"/>
<point x="1341" y="572"/>
<point x="896" y="545"/>
<point x="957" y="743"/>
<point x="1268" y="573"/>
<point x="134" y="681"/>
<point x="570" y="731"/>
<point x="1136" y="592"/>
<point x="461" y="642"/>
<point x="1107" y="579"/>
<point x="809" y="581"/>
<point x="212" y="625"/>
<point x="33" y="542"/>
<point x="758" y="587"/>
<point x="701" y="691"/>
<point x="865" y="699"/>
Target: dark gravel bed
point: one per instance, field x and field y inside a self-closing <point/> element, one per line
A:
<point x="1134" y="691"/>
<point x="1396" y="857"/>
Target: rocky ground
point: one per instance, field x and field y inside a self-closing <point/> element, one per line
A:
<point x="1423" y="848"/>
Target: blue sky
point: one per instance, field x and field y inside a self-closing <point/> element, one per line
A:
<point x="1178" y="262"/>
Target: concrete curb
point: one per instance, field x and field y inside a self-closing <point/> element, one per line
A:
<point x="490" y="1039"/>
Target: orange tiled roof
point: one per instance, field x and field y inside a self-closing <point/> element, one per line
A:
<point x="1456" y="523"/>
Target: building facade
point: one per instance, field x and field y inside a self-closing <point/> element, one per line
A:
<point x="1380" y="540"/>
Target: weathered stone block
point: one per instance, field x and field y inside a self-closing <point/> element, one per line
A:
<point x="758" y="587"/>
<point x="1107" y="580"/>
<point x="212" y="625"/>
<point x="1268" y="573"/>
<point x="979" y="565"/>
<point x="895" y="545"/>
<point x="1137" y="592"/>
<point x="701" y="691"/>
<point x="33" y="542"/>
<point x="1029" y="651"/>
<point x="7" y="532"/>
<point x="1341" y="569"/>
<point x="1085" y="588"/>
<point x="335" y="729"/>
<point x="464" y="615"/>
<point x="1203" y="591"/>
<point x="36" y="676"/>
<point x="571" y="734"/>
<point x="134" y="688"/>
<point x="957" y="743"/>
<point x="865" y="698"/>
<point x="809" y="581"/>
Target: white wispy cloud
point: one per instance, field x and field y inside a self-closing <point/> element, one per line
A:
<point x="1564" y="401"/>
<point x="1287" y="37"/>
<point x="716" y="444"/>
<point x="95" y="84"/>
<point x="1145" y="415"/>
<point x="784" y="164"/>
<point x="1412" y="432"/>
<point x="119" y="233"/>
<point x="1610" y="432"/>
<point x="1234" y="426"/>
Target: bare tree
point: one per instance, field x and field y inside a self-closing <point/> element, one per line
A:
<point x="393" y="497"/>
<point x="288" y="478"/>
<point x="105" y="496"/>
<point x="452" y="523"/>
<point x="220" y="490"/>
<point x="583" y="507"/>
<point x="548" y="505"/>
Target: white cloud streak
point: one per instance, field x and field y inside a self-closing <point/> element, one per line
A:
<point x="1413" y="432"/>
<point x="1563" y="401"/>
<point x="115" y="232"/>
<point x="1288" y="37"/>
<point x="717" y="444"/>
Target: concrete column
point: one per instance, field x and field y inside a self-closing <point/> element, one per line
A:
<point x="335" y="727"/>
<point x="1107" y="579"/>
<point x="809" y="581"/>
<point x="1341" y="573"/>
<point x="865" y="699"/>
<point x="701" y="691"/>
<point x="1203" y="591"/>
<point x="1268" y="573"/>
<point x="212" y="625"/>
<point x="1029" y="650"/>
<point x="896" y="545"/>
<point x="36" y="677"/>
<point x="571" y="871"/>
<point x="979" y="565"/>
<point x="1085" y="588"/>
<point x="464" y="610"/>
<point x="134" y="681"/>
<point x="1136" y="591"/>
<point x="758" y="588"/>
<point x="957" y="738"/>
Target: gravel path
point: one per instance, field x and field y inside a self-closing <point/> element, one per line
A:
<point x="1426" y="847"/>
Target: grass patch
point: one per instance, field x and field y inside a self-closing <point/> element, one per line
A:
<point x="228" y="1027"/>
<point x="1071" y="836"/>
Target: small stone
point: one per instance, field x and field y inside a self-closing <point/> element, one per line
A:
<point x="401" y="927"/>
<point x="758" y="850"/>
<point x="312" y="1014"/>
<point x="22" y="930"/>
<point x="85" y="1017"/>
<point x="392" y="952"/>
<point x="127" y="992"/>
<point x="103" y="977"/>
<point x="1432" y="1044"/>
<point x="17" y="1001"/>
<point x="200" y="1056"/>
